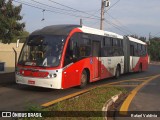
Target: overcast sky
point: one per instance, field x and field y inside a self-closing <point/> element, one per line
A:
<point x="130" y="16"/>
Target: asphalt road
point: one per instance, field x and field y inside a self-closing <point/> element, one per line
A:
<point x="14" y="97"/>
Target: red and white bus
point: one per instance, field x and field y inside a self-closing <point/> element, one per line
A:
<point x="137" y="59"/>
<point x="63" y="56"/>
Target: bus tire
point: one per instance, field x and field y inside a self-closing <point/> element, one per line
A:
<point x="118" y="72"/>
<point x="140" y="68"/>
<point x="83" y="79"/>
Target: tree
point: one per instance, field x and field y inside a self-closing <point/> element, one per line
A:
<point x="10" y="26"/>
<point x="142" y="39"/>
<point x="154" y="49"/>
<point x="134" y="36"/>
<point x="22" y="37"/>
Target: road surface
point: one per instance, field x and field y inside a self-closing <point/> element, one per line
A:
<point x="14" y="97"/>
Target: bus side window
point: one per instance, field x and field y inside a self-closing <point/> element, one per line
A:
<point x="84" y="45"/>
<point x="76" y="51"/>
<point x="108" y="41"/>
<point x="144" y="52"/>
<point x="139" y="50"/>
<point x="131" y="50"/>
<point x="136" y="51"/>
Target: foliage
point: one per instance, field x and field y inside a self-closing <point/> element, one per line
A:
<point x="154" y="49"/>
<point x="10" y="25"/>
<point x="22" y="37"/>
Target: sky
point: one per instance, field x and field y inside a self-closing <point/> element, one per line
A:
<point x="127" y="17"/>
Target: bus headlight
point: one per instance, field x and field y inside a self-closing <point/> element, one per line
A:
<point x="55" y="75"/>
<point x="52" y="75"/>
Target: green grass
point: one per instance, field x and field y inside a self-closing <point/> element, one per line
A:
<point x="94" y="100"/>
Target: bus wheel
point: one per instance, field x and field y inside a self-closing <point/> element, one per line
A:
<point x="140" y="68"/>
<point x="83" y="79"/>
<point x="118" y="72"/>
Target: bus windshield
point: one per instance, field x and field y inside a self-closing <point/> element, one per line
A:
<point x="42" y="50"/>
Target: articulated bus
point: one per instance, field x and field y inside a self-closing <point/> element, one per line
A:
<point x="63" y="56"/>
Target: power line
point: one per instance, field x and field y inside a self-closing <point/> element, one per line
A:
<point x="65" y="13"/>
<point x="89" y="17"/>
<point x="58" y="12"/>
<point x="94" y="13"/>
<point x="116" y="26"/>
<point x="73" y="9"/>
<point x="124" y="30"/>
<point x="29" y="5"/>
<point x="65" y="6"/>
<point x="124" y="27"/>
<point x="52" y="6"/>
<point x="156" y="34"/>
<point x="103" y="5"/>
<point x="113" y="5"/>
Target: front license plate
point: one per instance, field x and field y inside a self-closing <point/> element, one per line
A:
<point x="31" y="82"/>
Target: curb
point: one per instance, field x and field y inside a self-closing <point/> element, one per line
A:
<point x="110" y="102"/>
<point x="154" y="63"/>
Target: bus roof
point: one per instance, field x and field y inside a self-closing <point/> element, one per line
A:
<point x="136" y="40"/>
<point x="66" y="29"/>
<point x="100" y="32"/>
<point x="56" y="30"/>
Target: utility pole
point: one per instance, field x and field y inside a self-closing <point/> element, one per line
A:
<point x="81" y="22"/>
<point x="105" y="3"/>
<point x="102" y="16"/>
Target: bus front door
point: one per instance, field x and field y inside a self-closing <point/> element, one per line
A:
<point x="96" y="59"/>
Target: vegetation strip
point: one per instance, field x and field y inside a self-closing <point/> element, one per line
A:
<point x="88" y="103"/>
<point x="63" y="98"/>
<point x="84" y="91"/>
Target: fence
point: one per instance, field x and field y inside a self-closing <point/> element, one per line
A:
<point x="7" y="57"/>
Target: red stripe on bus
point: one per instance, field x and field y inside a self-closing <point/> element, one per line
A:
<point x="143" y="61"/>
<point x="71" y="75"/>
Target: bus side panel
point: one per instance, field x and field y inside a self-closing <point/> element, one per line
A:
<point x="105" y="68"/>
<point x="137" y="61"/>
<point x="145" y="63"/>
<point x="110" y="65"/>
<point x="72" y="73"/>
